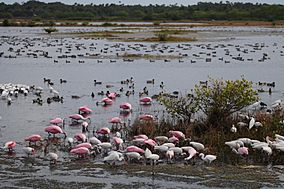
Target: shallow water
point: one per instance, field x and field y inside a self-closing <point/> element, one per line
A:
<point x="23" y="118"/>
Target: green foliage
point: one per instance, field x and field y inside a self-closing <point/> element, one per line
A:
<point x="181" y="108"/>
<point x="201" y="11"/>
<point x="221" y="98"/>
<point x="50" y="30"/>
<point x="6" y="22"/>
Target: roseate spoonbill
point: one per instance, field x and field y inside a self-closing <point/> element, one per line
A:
<point x="117" y="142"/>
<point x="150" y="143"/>
<point x="145" y="137"/>
<point x="138" y="141"/>
<point x="29" y="151"/>
<point x="77" y="118"/>
<point x="125" y="107"/>
<point x="146" y="101"/>
<point x="53" y="157"/>
<point x="104" y="131"/>
<point x="54" y="129"/>
<point x="191" y="153"/>
<point x="198" y="146"/>
<point x="85" y="110"/>
<point x="81" y="152"/>
<point x="146" y="117"/>
<point x="177" y="134"/>
<point x="173" y="139"/>
<point x="170" y="155"/>
<point x="10" y="145"/>
<point x="135" y="149"/>
<point x="208" y="158"/>
<point x="112" y="95"/>
<point x="85" y="144"/>
<point x="115" y="120"/>
<point x="113" y="157"/>
<point x="57" y="121"/>
<point x="33" y="138"/>
<point x="243" y="151"/>
<point x="105" y="102"/>
<point x="80" y="137"/>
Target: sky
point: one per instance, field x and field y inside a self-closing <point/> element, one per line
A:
<point x="147" y="2"/>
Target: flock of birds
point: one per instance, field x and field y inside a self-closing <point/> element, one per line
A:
<point x="111" y="146"/>
<point x="78" y="49"/>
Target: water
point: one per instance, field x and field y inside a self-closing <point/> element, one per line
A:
<point x="23" y="118"/>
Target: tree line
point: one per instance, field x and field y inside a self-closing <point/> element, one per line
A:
<point x="114" y="12"/>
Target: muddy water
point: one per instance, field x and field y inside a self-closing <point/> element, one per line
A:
<point x="23" y="118"/>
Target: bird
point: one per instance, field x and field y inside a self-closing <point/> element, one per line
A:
<point x="52" y="157"/>
<point x="29" y="151"/>
<point x="233" y="129"/>
<point x="113" y="157"/>
<point x="208" y="158"/>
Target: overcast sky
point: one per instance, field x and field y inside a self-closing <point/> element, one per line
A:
<point x="146" y="2"/>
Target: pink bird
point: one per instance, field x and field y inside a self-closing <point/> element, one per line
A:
<point x="77" y="117"/>
<point x="104" y="131"/>
<point x="191" y="153"/>
<point x="241" y="151"/>
<point x="80" y="137"/>
<point x="82" y="151"/>
<point x="56" y="121"/>
<point x="173" y="139"/>
<point x="112" y="95"/>
<point x="135" y="149"/>
<point x="117" y="141"/>
<point x="10" y="145"/>
<point x="106" y="101"/>
<point x="85" y="110"/>
<point x="177" y="134"/>
<point x="33" y="138"/>
<point x="145" y="137"/>
<point x="125" y="107"/>
<point x="115" y="120"/>
<point x="145" y="101"/>
<point x="54" y="129"/>
<point x="85" y="144"/>
<point x="170" y="154"/>
<point x="146" y="117"/>
<point x="150" y="142"/>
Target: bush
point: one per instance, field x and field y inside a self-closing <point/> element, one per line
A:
<point x="221" y="98"/>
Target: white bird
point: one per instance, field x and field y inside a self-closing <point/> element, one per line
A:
<point x="233" y="129"/>
<point x="52" y="157"/>
<point x="198" y="146"/>
<point x="207" y="158"/>
<point x="234" y="144"/>
<point x="94" y="141"/>
<point x="169" y="144"/>
<point x="113" y="157"/>
<point x="161" y="148"/>
<point x="152" y="157"/>
<point x="29" y="151"/>
<point x="251" y="123"/>
<point x="133" y="155"/>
